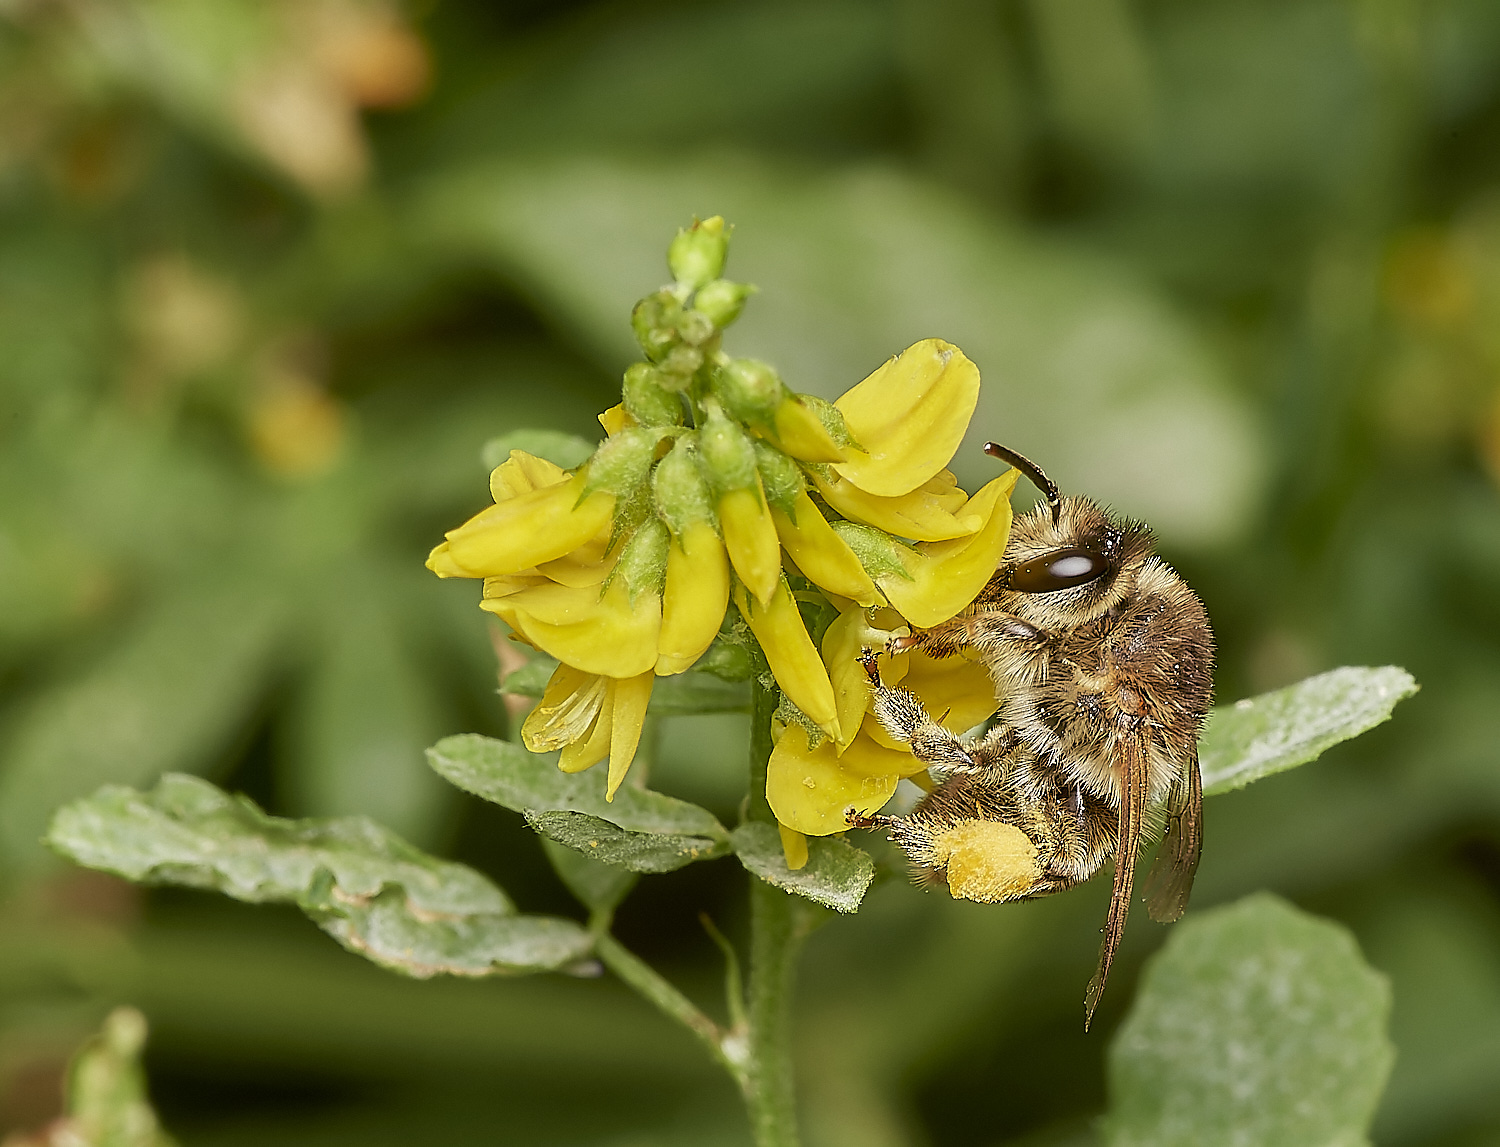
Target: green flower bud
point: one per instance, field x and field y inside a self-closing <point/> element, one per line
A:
<point x="779" y="477"/>
<point x="695" y="328"/>
<point x="648" y="398"/>
<point x="643" y="561"/>
<point x="877" y="551"/>
<point x="750" y="390"/>
<point x="681" y="363"/>
<point x="832" y="419"/>
<point x="727" y="456"/>
<point x="722" y="301"/>
<point x="697" y="255"/>
<point x="682" y="496"/>
<point x="621" y="463"/>
<point x="655" y="321"/>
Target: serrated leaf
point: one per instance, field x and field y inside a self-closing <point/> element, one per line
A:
<point x="836" y="875"/>
<point x="599" y="887"/>
<point x="376" y="894"/>
<point x="1256" y="1025"/>
<point x="1263" y="735"/>
<point x="637" y="851"/>
<point x="565" y="450"/>
<point x="507" y="774"/>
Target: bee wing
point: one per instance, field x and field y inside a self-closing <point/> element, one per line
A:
<point x="1131" y="761"/>
<point x="1170" y="881"/>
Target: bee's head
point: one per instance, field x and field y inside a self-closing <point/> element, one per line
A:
<point x="1068" y="558"/>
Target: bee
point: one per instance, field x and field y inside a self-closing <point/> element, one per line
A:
<point x="1102" y="660"/>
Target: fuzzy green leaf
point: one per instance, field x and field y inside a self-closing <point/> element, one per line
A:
<point x="376" y="894"/>
<point x="637" y="851"/>
<point x="1256" y="1025"/>
<point x="1263" y="735"/>
<point x="836" y="875"/>
<point x="507" y="774"/>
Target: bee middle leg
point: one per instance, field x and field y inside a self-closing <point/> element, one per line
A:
<point x="903" y="717"/>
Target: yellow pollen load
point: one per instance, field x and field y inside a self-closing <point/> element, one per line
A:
<point x="986" y="861"/>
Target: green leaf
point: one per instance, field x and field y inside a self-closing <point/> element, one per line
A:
<point x="836" y="875"/>
<point x="565" y="450"/>
<point x="1259" y="736"/>
<point x="1256" y="1025"/>
<point x="376" y="894"/>
<point x="637" y="851"/>
<point x="599" y="887"/>
<point x="530" y="680"/>
<point x="507" y="774"/>
<point x="107" y="1105"/>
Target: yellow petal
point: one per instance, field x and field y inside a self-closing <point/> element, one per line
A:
<point x="909" y="417"/>
<point x="632" y="694"/>
<point x="750" y="538"/>
<point x="441" y="562"/>
<point x="567" y="711"/>
<point x="810" y="793"/>
<point x="821" y="554"/>
<point x="587" y="753"/>
<point x="946" y="576"/>
<point x="534" y="527"/>
<point x="615" y="419"/>
<point x="605" y="635"/>
<point x="867" y="757"/>
<point x="933" y="512"/>
<point x="694" y="599"/>
<point x="792" y="656"/>
<point x="793" y="847"/>
<point x="801" y="434"/>
<point x="522" y="473"/>
<point x="843" y="641"/>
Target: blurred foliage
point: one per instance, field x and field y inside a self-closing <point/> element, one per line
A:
<point x="271" y="274"/>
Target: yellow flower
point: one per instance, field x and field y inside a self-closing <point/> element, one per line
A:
<point x="598" y="633"/>
<point x="589" y="717"/>
<point x="536" y="526"/>
<point x="933" y="512"/>
<point x="751" y="541"/>
<point x="799" y="432"/>
<point x="793" y="657"/>
<point x="821" y="555"/>
<point x="809" y="792"/>
<point x="945" y="576"/>
<point x="908" y="418"/>
<point x="957" y="691"/>
<point x="696" y="595"/>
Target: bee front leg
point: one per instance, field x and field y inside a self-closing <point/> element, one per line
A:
<point x="903" y="717"/>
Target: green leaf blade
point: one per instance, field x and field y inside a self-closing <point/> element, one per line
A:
<point x="1257" y="1025"/>
<point x="365" y="886"/>
<point x="1264" y="735"/>
<point x="508" y="775"/>
<point x="836" y="874"/>
<point x="637" y="851"/>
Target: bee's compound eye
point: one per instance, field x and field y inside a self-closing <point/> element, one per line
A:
<point x="1060" y="569"/>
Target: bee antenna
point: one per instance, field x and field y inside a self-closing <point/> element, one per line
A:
<point x="1032" y="471"/>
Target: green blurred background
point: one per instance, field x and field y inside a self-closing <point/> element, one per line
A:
<point x="272" y="272"/>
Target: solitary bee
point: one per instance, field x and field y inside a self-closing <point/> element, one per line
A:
<point x="1102" y="659"/>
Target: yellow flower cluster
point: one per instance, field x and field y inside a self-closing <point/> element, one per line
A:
<point x="717" y="484"/>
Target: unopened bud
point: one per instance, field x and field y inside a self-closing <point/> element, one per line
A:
<point x="682" y="496"/>
<point x="877" y="551"/>
<point x="779" y="477"/>
<point x="681" y="363"/>
<point x="654" y="322"/>
<point x="750" y="390"/>
<point x="643" y="561"/>
<point x="722" y="301"/>
<point x="622" y="461"/>
<point x="695" y="328"/>
<point x="648" y="398"/>
<point x="697" y="255"/>
<point x="728" y="458"/>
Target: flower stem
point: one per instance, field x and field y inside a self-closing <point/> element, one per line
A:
<point x="777" y="928"/>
